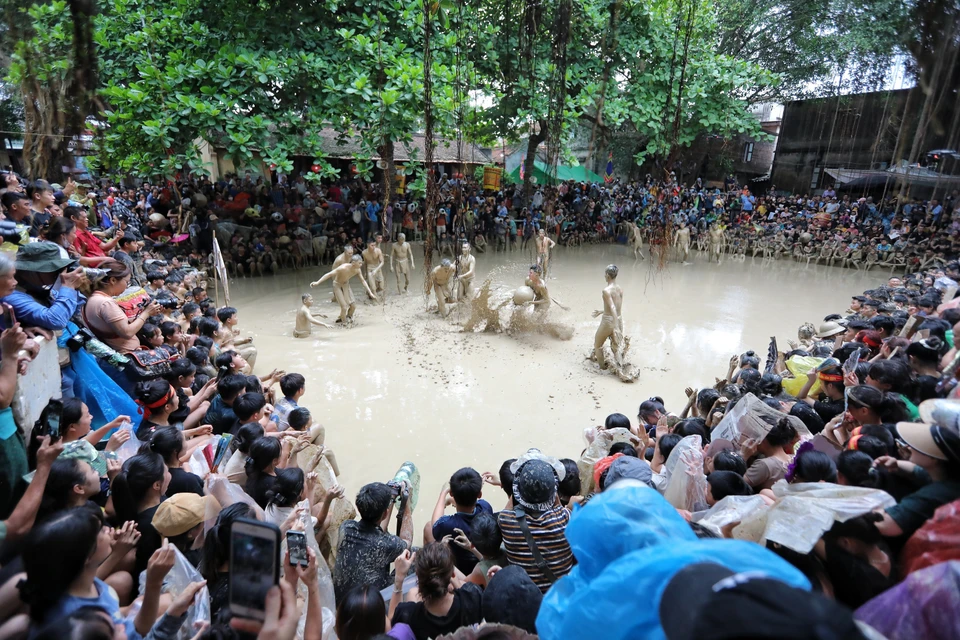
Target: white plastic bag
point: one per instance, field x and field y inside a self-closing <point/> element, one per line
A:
<point x="598" y="449"/>
<point x="227" y="494"/>
<point x="730" y="509"/>
<point x="198" y="464"/>
<point x="686" y="484"/>
<point x="806" y="510"/>
<point x="179" y="578"/>
<point x="129" y="448"/>
<point x="750" y="421"/>
<point x="324" y="578"/>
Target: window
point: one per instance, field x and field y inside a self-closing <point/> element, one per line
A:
<point x="747" y="151"/>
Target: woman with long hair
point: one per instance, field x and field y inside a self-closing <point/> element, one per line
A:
<point x="362" y="615"/>
<point x="447" y="603"/>
<point x="75" y="424"/>
<point x="235" y="469"/>
<point x="261" y="468"/>
<point x="138" y="490"/>
<point x="62" y="558"/>
<point x="168" y="442"/>
<point x="158" y="400"/>
<point x="71" y="483"/>
<point x="215" y="566"/>
<point x="771" y="466"/>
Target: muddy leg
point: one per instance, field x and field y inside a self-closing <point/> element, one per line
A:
<point x="441" y="301"/>
<point x="604" y="331"/>
<point x="342" y="301"/>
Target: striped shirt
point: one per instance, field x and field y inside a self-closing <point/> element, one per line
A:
<point x="547" y="530"/>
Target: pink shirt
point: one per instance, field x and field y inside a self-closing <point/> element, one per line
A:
<point x="103" y="315"/>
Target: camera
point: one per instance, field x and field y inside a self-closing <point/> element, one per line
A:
<point x="78" y="340"/>
<point x="9" y="232"/>
<point x="93" y="274"/>
<point x="168" y="303"/>
<point x="399" y="488"/>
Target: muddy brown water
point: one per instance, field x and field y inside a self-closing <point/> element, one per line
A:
<point x="404" y="384"/>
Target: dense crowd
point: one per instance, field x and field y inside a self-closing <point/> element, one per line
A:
<point x="812" y="493"/>
<point x="264" y="227"/>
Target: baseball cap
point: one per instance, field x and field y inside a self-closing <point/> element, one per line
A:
<point x="707" y="601"/>
<point x="181" y="512"/>
<point x="511" y="597"/>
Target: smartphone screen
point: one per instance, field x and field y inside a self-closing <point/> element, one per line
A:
<point x="254" y="566"/>
<point x="297" y="546"/>
<point x="52" y="419"/>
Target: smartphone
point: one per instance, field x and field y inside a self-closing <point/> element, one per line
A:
<point x="51" y="423"/>
<point x="254" y="566"/>
<point x="297" y="547"/>
<point x="8" y="318"/>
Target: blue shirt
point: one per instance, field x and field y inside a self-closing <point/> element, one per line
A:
<point x="31" y="313"/>
<point x="220" y="415"/>
<point x="105" y="600"/>
<point x="464" y="560"/>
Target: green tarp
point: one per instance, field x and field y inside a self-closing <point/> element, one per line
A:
<point x="542" y="172"/>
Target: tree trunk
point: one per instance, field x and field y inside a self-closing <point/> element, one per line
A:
<point x="389" y="171"/>
<point x="533" y="143"/>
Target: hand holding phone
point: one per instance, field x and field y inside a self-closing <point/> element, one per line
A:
<point x="297" y="548"/>
<point x="254" y="566"/>
<point x="9" y="319"/>
<point x="50" y="420"/>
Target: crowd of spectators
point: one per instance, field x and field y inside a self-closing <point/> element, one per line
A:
<point x="814" y="494"/>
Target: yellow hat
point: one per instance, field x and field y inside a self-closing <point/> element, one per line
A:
<point x="181" y="512"/>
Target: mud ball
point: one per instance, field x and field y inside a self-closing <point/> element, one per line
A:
<point x="523" y="294"/>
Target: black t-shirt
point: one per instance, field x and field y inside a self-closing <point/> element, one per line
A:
<point x="465" y="611"/>
<point x="257" y="486"/>
<point x="150" y="538"/>
<point x="183" y="411"/>
<point x="854" y="579"/>
<point x="184" y="482"/>
<point x="926" y="387"/>
<point x="219" y="594"/>
<point x="147" y="427"/>
<point x="828" y="409"/>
